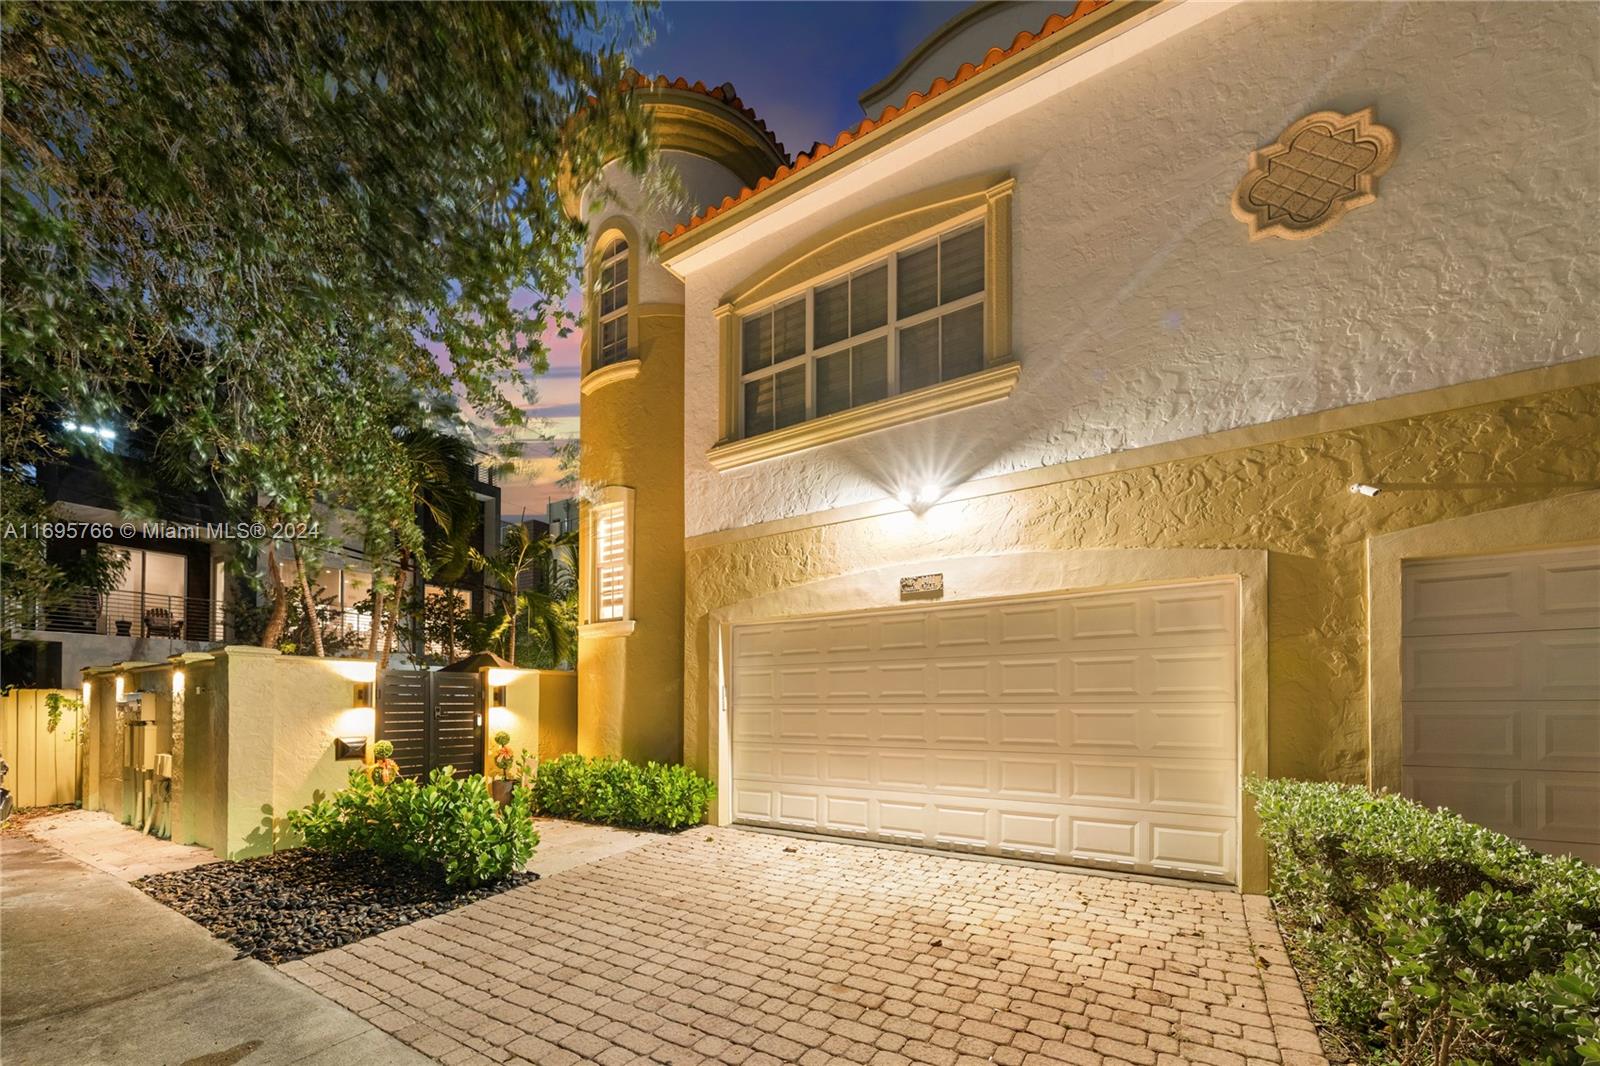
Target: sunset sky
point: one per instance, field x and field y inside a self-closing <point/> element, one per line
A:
<point x="801" y="66"/>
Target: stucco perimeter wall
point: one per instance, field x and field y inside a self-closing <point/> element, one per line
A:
<point x="1142" y="311"/>
<point x="284" y="713"/>
<point x="251" y="733"/>
<point x="540" y="713"/>
<point x="1290" y="498"/>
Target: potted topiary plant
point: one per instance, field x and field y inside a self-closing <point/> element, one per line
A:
<point x="383" y="769"/>
<point x="502" y="758"/>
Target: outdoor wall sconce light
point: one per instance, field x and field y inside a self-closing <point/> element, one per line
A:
<point x="350" y="748"/>
<point x="921" y="497"/>
<point x="497" y="696"/>
<point x="363" y="697"/>
<point x="1361" y="489"/>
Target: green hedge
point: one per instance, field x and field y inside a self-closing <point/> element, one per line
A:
<point x="1424" y="938"/>
<point x="618" y="792"/>
<point x="451" y="826"/>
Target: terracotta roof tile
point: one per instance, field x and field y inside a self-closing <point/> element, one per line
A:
<point x="1023" y="41"/>
<point x="724" y="93"/>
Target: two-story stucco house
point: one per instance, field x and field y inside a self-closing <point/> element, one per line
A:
<point x="1144" y="397"/>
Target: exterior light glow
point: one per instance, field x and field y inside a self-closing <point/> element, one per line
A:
<point x="921" y="497"/>
<point x="1365" y="490"/>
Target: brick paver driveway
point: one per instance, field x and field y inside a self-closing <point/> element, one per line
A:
<point x="720" y="945"/>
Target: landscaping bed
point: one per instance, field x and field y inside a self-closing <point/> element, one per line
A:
<point x="293" y="903"/>
<point x="1422" y="938"/>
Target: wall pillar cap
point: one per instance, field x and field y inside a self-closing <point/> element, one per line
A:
<point x="245" y="650"/>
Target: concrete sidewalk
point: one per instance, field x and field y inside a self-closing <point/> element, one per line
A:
<point x="94" y="971"/>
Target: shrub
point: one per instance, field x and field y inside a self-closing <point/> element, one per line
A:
<point x="449" y="826"/>
<point x="1426" y="938"/>
<point x="618" y="792"/>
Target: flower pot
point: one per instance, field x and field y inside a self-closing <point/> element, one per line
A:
<point x="501" y="791"/>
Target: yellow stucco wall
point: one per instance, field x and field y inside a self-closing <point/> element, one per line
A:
<point x="1290" y="499"/>
<point x="252" y="737"/>
<point x="631" y="688"/>
<point x="540" y="713"/>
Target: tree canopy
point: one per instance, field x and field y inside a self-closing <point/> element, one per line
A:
<point x="277" y="237"/>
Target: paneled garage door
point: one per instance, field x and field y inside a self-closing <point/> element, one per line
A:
<point x="1501" y="667"/>
<point x="1097" y="729"/>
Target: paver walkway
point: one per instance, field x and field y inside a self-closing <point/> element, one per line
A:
<point x="720" y="945"/>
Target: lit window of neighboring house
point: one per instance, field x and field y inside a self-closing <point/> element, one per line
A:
<point x="612" y="303"/>
<point x="912" y="319"/>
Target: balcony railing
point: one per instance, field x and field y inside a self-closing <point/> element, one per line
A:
<point x="142" y="615"/>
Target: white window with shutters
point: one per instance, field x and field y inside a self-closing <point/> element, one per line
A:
<point x="611" y="304"/>
<point x="609" y="552"/>
<point x="906" y="321"/>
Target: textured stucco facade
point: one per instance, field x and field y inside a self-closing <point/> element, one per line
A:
<point x="1189" y="404"/>
<point x="631" y="670"/>
<point x="1143" y="313"/>
<point x="630" y="682"/>
<point x="1289" y="498"/>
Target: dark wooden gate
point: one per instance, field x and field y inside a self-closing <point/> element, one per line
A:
<point x="433" y="719"/>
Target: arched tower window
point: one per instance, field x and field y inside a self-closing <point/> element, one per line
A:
<point x="611" y="284"/>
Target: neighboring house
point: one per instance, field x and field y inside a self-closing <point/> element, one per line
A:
<point x="172" y="595"/>
<point x="1000" y="478"/>
<point x="175" y="594"/>
<point x="534" y="579"/>
<point x="562" y="516"/>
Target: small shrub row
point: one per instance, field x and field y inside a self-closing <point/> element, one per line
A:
<point x="450" y="826"/>
<point x="617" y="792"/>
<point x="1424" y="938"/>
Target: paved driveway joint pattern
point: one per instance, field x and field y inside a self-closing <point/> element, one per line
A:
<point x="721" y="945"/>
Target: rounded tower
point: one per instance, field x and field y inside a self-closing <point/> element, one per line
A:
<point x="631" y="551"/>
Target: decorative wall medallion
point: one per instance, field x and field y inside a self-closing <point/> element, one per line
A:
<point x="1319" y="168"/>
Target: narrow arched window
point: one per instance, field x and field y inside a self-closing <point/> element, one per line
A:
<point x="612" y="303"/>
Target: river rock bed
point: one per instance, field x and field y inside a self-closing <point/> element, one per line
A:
<point x="294" y="903"/>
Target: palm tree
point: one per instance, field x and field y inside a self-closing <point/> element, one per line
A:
<point x="553" y="616"/>
<point x="439" y="467"/>
<point x="548" y="613"/>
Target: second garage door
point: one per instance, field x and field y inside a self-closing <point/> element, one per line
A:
<point x="1502" y="693"/>
<point x="1097" y="729"/>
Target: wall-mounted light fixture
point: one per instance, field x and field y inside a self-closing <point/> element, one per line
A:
<point x="350" y="748"/>
<point x="920" y="497"/>
<point x="1362" y="489"/>
<point x="497" y="696"/>
<point x="363" y="695"/>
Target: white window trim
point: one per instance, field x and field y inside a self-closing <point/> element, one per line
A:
<point x="889" y="331"/>
<point x="592" y="624"/>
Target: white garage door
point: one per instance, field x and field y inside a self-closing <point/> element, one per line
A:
<point x="1501" y="667"/>
<point x="1096" y="729"/>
